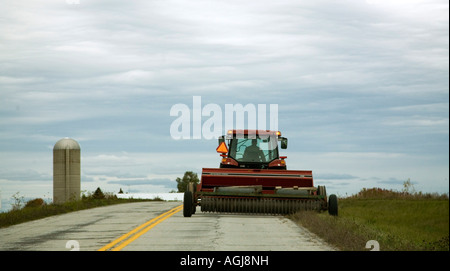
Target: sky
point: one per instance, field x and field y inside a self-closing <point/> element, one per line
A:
<point x="362" y="88"/>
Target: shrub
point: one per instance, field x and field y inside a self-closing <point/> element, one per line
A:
<point x="38" y="202"/>
<point x="98" y="194"/>
<point x="381" y="193"/>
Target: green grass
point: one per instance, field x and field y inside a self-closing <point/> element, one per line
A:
<point x="37" y="211"/>
<point x="397" y="221"/>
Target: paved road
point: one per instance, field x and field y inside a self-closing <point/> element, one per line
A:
<point x="95" y="228"/>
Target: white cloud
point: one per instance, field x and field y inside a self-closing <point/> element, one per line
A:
<point x="419" y="122"/>
<point x="10" y="80"/>
<point x="84" y="47"/>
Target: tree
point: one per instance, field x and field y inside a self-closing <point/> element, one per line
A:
<point x="189" y="176"/>
<point x="98" y="194"/>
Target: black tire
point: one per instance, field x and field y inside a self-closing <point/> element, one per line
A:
<point x="187" y="204"/>
<point x="192" y="188"/>
<point x="333" y="205"/>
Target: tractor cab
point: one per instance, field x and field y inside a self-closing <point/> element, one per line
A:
<point x="256" y="149"/>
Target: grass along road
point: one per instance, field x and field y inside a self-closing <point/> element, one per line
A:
<point x="397" y="221"/>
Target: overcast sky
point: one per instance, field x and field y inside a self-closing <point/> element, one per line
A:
<point x="361" y="87"/>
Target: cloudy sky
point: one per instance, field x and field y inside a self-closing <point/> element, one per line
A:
<point x="361" y="87"/>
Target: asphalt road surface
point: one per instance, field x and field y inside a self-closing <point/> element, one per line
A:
<point x="158" y="226"/>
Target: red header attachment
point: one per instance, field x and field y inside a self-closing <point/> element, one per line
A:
<point x="222" y="148"/>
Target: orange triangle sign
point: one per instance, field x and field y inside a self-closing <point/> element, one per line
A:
<point x="222" y="148"/>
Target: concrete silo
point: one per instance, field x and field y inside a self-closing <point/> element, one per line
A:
<point x="66" y="170"/>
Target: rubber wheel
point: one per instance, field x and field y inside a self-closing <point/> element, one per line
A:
<point x="192" y="188"/>
<point x="187" y="204"/>
<point x="333" y="205"/>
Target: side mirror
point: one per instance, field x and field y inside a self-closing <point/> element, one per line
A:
<point x="221" y="139"/>
<point x="284" y="142"/>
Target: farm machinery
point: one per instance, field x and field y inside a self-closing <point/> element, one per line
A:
<point x="253" y="178"/>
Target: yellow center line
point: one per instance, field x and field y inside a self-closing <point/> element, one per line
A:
<point x="129" y="237"/>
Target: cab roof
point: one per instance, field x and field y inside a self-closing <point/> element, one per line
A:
<point x="253" y="132"/>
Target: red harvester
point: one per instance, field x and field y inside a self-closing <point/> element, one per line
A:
<point x="253" y="178"/>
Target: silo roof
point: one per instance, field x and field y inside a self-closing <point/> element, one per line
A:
<point x="66" y="143"/>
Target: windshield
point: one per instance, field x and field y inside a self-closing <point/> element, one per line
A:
<point x="259" y="149"/>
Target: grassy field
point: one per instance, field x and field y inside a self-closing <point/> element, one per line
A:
<point x="397" y="221"/>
